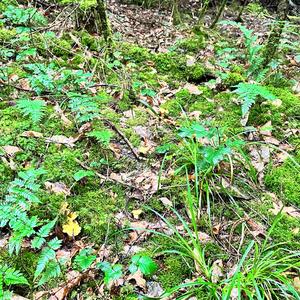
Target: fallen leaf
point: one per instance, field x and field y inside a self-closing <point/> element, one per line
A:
<point x="61" y="139"/>
<point x="271" y="140"/>
<point x="165" y="201"/>
<point x="266" y="129"/>
<point x="154" y="290"/>
<point x="138" y="279"/>
<point x="289" y="210"/>
<point x="276" y="102"/>
<point x="191" y="60"/>
<point x="296" y="283"/>
<point x="11" y="150"/>
<point x="57" y="188"/>
<point x="136" y="213"/>
<point x="60" y="113"/>
<point x="71" y="228"/>
<point x="192" y="88"/>
<point x="203" y="237"/>
<point x="31" y="133"/>
<point x="217" y="271"/>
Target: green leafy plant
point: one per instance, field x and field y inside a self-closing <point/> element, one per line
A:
<point x="85" y="107"/>
<point x="32" y="108"/>
<point x="111" y="272"/>
<point x="102" y="136"/>
<point x="84" y="259"/>
<point x="48" y="266"/>
<point x="82" y="174"/>
<point x="10" y="276"/>
<point x="143" y="263"/>
<point x="249" y="92"/>
<point x="22" y="16"/>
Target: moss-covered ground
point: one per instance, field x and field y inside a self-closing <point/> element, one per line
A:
<point x="142" y="100"/>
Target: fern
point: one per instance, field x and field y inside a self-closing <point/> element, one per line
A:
<point x="48" y="266"/>
<point x="9" y="276"/>
<point x="84" y="107"/>
<point x="14" y="209"/>
<point x="249" y="92"/>
<point x="32" y="108"/>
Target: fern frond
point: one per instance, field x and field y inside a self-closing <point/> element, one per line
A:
<point x="12" y="276"/>
<point x="47" y="254"/>
<point x="85" y="107"/>
<point x="248" y="92"/>
<point x="32" y="108"/>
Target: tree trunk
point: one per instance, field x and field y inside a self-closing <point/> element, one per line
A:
<point x="275" y="35"/>
<point x="220" y="11"/>
<point x="100" y="12"/>
<point x="239" y="17"/>
<point x="175" y="13"/>
<point x="203" y="11"/>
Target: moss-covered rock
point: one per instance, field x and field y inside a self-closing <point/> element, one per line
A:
<point x="284" y="180"/>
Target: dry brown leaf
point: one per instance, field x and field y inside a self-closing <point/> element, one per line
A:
<point x="289" y="210"/>
<point x="24" y="84"/>
<point x="165" y="201"/>
<point x="296" y="283"/>
<point x="138" y="279"/>
<point x="11" y="150"/>
<point x="57" y="188"/>
<point x="18" y="297"/>
<point x="257" y="229"/>
<point x="63" y="117"/>
<point x="203" y="237"/>
<point x="266" y="129"/>
<point x="31" y="133"/>
<point x="61" y="139"/>
<point x="271" y="140"/>
<point x="217" y="271"/>
<point x="192" y="88"/>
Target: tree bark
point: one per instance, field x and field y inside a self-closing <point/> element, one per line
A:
<point x="276" y="33"/>
<point x="104" y="22"/>
<point x="220" y="11"/>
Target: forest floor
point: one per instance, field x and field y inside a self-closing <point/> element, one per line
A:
<point x="165" y="167"/>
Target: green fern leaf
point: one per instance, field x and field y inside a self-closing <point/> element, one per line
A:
<point x="52" y="270"/>
<point x="47" y="254"/>
<point x="32" y="108"/>
<point x="248" y="92"/>
<point x="12" y="276"/>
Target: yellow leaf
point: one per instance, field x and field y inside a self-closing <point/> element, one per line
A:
<point x="136" y="213"/>
<point x="72" y="216"/>
<point x="71" y="228"/>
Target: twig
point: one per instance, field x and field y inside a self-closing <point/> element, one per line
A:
<point x="125" y="139"/>
<point x="105" y="178"/>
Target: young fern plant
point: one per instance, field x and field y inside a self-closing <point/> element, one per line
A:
<point x="15" y="214"/>
<point x="32" y="108"/>
<point x="10" y="276"/>
<point x="250" y="92"/>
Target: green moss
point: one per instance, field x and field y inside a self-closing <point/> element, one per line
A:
<point x="141" y="117"/>
<point x="284" y="180"/>
<point x="7" y="34"/>
<point x="61" y="47"/>
<point x="134" y="53"/>
<point x="173" y="272"/>
<point x="96" y="209"/>
<point x="192" y="44"/>
<point x="232" y="79"/>
<point x="60" y="163"/>
<point x="132" y="136"/>
<point x="227" y="113"/>
<point x="89" y="40"/>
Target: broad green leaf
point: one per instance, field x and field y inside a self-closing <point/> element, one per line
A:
<point x="83" y="173"/>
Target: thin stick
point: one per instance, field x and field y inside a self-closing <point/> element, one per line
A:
<point x="125" y="139"/>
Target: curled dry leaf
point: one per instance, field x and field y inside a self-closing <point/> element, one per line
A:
<point x="193" y="89"/>
<point x="57" y="188"/>
<point x="217" y="271"/>
<point x="289" y="210"/>
<point x="61" y="139"/>
<point x="138" y="279"/>
<point x="31" y="133"/>
<point x="11" y="150"/>
<point x="60" y="113"/>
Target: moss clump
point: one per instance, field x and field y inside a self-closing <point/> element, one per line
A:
<point x="61" y="47"/>
<point x="95" y="210"/>
<point x="141" y="117"/>
<point x="232" y="79"/>
<point x="193" y="44"/>
<point x="7" y="34"/>
<point x="134" y="53"/>
<point x="195" y="73"/>
<point x="174" y="272"/>
<point x="285" y="179"/>
<point x="61" y="164"/>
